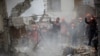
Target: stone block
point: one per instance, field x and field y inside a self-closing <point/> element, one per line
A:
<point x="17" y="22"/>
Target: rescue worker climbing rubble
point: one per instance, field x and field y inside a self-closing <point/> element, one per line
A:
<point x="91" y="30"/>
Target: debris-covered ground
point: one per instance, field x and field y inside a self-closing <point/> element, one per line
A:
<point x="49" y="46"/>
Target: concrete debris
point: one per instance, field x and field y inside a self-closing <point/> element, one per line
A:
<point x="20" y="8"/>
<point x="18" y="22"/>
<point x="82" y="51"/>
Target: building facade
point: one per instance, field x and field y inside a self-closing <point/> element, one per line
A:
<point x="60" y="8"/>
<point x="68" y="9"/>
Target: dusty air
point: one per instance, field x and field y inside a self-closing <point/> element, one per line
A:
<point x="49" y="27"/>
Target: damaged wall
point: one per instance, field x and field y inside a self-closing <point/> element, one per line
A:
<point x="36" y="7"/>
<point x="24" y="8"/>
<point x="88" y="2"/>
<point x="17" y="7"/>
<point x="85" y="2"/>
<point x="83" y="7"/>
<point x="20" y="8"/>
<point x="68" y="9"/>
<point x="11" y="4"/>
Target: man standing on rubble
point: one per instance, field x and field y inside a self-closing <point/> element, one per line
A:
<point x="91" y="28"/>
<point x="55" y="27"/>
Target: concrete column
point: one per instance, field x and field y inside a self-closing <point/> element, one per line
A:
<point x="5" y="33"/>
<point x="97" y="6"/>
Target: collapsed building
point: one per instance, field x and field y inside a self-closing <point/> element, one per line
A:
<point x="13" y="26"/>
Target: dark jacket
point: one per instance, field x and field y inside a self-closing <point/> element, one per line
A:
<point x="55" y="26"/>
<point x="91" y="26"/>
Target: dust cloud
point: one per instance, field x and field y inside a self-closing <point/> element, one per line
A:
<point x="72" y="34"/>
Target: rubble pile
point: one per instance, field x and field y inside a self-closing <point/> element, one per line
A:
<point x="89" y="51"/>
<point x="81" y="51"/>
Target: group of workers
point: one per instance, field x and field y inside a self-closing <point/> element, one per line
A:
<point x="91" y="30"/>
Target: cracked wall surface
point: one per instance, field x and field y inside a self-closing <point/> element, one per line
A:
<point x="20" y="8"/>
<point x="11" y="4"/>
<point x="37" y="7"/>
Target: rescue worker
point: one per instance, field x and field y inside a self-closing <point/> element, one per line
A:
<point x="35" y="32"/>
<point x="64" y="31"/>
<point x="64" y="26"/>
<point x="91" y="28"/>
<point x="80" y="28"/>
<point x="55" y="27"/>
<point x="74" y="34"/>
